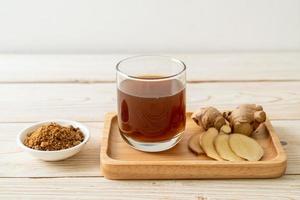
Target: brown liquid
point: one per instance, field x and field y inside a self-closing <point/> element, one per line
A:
<point x="151" y="111"/>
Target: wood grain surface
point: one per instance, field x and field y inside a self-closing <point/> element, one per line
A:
<point x="90" y="102"/>
<point x="286" y="187"/>
<point x="272" y="66"/>
<point x="81" y="87"/>
<point x="86" y="163"/>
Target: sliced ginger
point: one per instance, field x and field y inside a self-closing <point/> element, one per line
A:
<point x="223" y="148"/>
<point x="194" y="144"/>
<point x="207" y="143"/>
<point x="234" y="142"/>
<point x="245" y="147"/>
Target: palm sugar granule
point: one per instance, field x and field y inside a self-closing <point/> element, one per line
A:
<point x="52" y="137"/>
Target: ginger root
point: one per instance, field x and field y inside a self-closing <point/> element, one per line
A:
<point x="246" y="118"/>
<point x="226" y="134"/>
<point x="209" y="117"/>
<point x="261" y="132"/>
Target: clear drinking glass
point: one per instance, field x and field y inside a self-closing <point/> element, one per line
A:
<point x="151" y="101"/>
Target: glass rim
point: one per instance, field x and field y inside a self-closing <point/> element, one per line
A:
<point x="155" y="78"/>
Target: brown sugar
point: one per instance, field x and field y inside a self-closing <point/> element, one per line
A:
<point x="52" y="137"/>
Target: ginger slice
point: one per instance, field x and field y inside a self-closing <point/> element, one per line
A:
<point x="194" y="144"/>
<point x="223" y="148"/>
<point x="245" y="147"/>
<point x="207" y="143"/>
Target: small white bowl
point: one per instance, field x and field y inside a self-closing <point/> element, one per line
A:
<point x="53" y="155"/>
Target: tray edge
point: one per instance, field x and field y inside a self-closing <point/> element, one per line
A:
<point x="110" y="166"/>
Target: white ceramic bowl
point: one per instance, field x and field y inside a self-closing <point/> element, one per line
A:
<point x="53" y="155"/>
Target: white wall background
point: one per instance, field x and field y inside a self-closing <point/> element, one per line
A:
<point x="131" y="26"/>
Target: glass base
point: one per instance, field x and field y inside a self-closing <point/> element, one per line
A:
<point x="153" y="146"/>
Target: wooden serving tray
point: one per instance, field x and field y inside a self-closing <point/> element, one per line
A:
<point x="120" y="161"/>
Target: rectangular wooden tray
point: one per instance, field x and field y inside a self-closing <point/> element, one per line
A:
<point x="120" y="161"/>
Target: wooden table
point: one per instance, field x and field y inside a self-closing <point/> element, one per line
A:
<point x="82" y="88"/>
